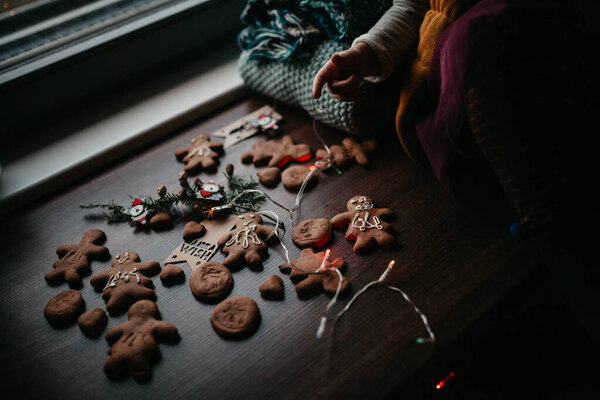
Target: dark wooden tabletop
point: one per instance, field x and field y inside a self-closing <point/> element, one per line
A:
<point x="455" y="260"/>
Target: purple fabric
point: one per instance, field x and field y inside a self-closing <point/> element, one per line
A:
<point x="442" y="126"/>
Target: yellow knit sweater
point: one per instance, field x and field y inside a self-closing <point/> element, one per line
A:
<point x="441" y="14"/>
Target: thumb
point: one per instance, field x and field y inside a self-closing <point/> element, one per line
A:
<point x="346" y="59"/>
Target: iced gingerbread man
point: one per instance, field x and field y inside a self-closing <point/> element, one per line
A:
<point x="245" y="244"/>
<point x="366" y="225"/>
<point x="201" y="155"/>
<point x="126" y="281"/>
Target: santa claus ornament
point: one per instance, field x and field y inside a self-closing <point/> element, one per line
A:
<point x="210" y="192"/>
<point x="138" y="212"/>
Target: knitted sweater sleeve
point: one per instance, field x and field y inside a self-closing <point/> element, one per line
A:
<point x="395" y="32"/>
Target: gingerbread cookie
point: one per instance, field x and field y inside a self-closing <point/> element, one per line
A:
<point x="64" y="308"/>
<point x="235" y="318"/>
<point x="75" y="259"/>
<point x="276" y="153"/>
<point x="202" y="155"/>
<point x="271" y="288"/>
<point x="126" y="281"/>
<point x="293" y="178"/>
<point x="349" y="152"/>
<point x="245" y="243"/>
<point x="92" y="323"/>
<point x="172" y="275"/>
<point x="133" y="344"/>
<point x="161" y="221"/>
<point x="269" y="177"/>
<point x="365" y="223"/>
<point x="193" y="230"/>
<point x="312" y="233"/>
<point x="312" y="274"/>
<point x="211" y="281"/>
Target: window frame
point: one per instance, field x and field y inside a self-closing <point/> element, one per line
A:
<point x="63" y="81"/>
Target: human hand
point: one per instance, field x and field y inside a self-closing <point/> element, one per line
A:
<point x="344" y="72"/>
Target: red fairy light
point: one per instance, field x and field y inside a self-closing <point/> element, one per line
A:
<point x="303" y="158"/>
<point x="325" y="259"/>
<point x="443" y="381"/>
<point x="284" y="161"/>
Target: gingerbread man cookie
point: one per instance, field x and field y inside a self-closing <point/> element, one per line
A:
<point x="365" y="224"/>
<point x="348" y="152"/>
<point x="126" y="281"/>
<point x="75" y="259"/>
<point x="134" y="344"/>
<point x="313" y="273"/>
<point x="201" y="155"/>
<point x="245" y="244"/>
<point x="276" y="153"/>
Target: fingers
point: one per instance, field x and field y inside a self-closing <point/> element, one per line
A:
<point x="327" y="73"/>
<point x="340" y="76"/>
<point x="346" y="90"/>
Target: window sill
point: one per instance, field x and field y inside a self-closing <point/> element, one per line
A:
<point x="185" y="94"/>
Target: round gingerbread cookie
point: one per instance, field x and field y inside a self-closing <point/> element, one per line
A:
<point x="211" y="281"/>
<point x="312" y="233"/>
<point x="235" y="318"/>
<point x="92" y="323"/>
<point x="293" y="177"/>
<point x="172" y="275"/>
<point x="64" y="308"/>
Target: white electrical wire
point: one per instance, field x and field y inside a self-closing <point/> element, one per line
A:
<point x="379" y="282"/>
<point x="296" y="207"/>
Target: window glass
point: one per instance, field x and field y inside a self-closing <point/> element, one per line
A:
<point x="30" y="29"/>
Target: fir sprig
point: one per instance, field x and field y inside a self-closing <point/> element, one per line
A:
<point x="116" y="212"/>
<point x="237" y="185"/>
<point x="187" y="195"/>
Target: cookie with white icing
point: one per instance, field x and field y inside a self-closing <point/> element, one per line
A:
<point x="126" y="281"/>
<point x="366" y="224"/>
<point x="245" y="244"/>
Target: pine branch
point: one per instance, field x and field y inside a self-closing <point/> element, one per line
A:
<point x="115" y="212"/>
<point x="237" y="185"/>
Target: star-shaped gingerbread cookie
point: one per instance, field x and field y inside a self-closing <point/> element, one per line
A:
<point x="365" y="223"/>
<point x="126" y="281"/>
<point x="276" y="153"/>
<point x="75" y="259"/>
<point x="203" y="154"/>
<point x="245" y="244"/>
<point x="134" y="344"/>
<point x="309" y="282"/>
<point x="348" y="152"/>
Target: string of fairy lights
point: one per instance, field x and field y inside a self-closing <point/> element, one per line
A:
<point x="323" y="165"/>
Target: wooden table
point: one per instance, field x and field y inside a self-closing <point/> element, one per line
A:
<point x="455" y="260"/>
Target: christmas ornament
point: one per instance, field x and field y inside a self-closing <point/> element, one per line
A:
<point x="201" y="200"/>
<point x="265" y="119"/>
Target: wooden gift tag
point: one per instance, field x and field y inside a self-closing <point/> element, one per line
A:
<point x="199" y="251"/>
<point x="262" y="119"/>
